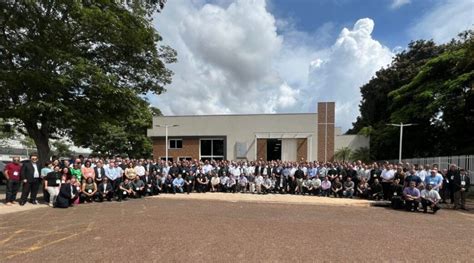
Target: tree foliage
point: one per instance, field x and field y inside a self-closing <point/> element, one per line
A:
<point x="343" y="154"/>
<point x="428" y="84"/>
<point x="78" y="68"/>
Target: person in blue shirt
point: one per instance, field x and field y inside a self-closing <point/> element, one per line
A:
<point x="178" y="184"/>
<point x="434" y="179"/>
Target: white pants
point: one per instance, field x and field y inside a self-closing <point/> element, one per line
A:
<point x="53" y="193"/>
<point x="252" y="187"/>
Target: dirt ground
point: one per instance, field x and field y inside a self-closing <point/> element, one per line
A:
<point x="196" y="229"/>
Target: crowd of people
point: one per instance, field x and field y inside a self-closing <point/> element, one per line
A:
<point x="84" y="180"/>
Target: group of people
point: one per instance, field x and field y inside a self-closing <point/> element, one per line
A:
<point x="85" y="180"/>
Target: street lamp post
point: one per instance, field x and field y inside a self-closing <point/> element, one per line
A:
<point x="401" y="125"/>
<point x="166" y="126"/>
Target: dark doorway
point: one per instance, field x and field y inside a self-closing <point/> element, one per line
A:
<point x="273" y="149"/>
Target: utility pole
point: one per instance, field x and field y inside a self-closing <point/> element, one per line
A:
<point x="401" y="125"/>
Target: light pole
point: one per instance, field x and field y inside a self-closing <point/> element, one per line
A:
<point x="401" y="125"/>
<point x="166" y="126"/>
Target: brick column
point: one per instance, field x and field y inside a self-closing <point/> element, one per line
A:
<point x="262" y="149"/>
<point x="302" y="150"/>
<point x="326" y="120"/>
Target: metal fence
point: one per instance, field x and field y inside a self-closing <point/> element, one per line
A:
<point x="443" y="162"/>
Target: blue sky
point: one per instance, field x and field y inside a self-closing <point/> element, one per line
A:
<point x="392" y="23"/>
<point x="270" y="56"/>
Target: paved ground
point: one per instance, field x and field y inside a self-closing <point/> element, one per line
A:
<point x="177" y="228"/>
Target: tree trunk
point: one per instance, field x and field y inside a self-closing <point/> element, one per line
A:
<point x="41" y="139"/>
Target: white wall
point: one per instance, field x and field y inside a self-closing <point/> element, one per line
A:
<point x="352" y="141"/>
<point x="238" y="128"/>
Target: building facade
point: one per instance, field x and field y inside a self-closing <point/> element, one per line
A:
<point x="288" y="137"/>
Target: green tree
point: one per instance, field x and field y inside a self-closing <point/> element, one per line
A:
<point x="363" y="154"/>
<point x="343" y="154"/>
<point x="74" y="68"/>
<point x="62" y="149"/>
<point x="427" y="84"/>
<point x="440" y="97"/>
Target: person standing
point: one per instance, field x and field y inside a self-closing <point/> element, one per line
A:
<point x="461" y="184"/>
<point x="12" y="174"/>
<point x="30" y="176"/>
<point x="52" y="183"/>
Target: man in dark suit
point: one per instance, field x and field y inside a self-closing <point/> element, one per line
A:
<point x="67" y="195"/>
<point x="150" y="184"/>
<point x="461" y="184"/>
<point x="105" y="190"/>
<point x="99" y="172"/>
<point x="30" y="176"/>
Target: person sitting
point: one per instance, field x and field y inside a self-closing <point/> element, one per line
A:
<point x="105" y="190"/>
<point x="362" y="188"/>
<point x="231" y="184"/>
<point x="178" y="184"/>
<point x="125" y="190"/>
<point x="215" y="182"/>
<point x="316" y="183"/>
<point x="168" y="185"/>
<point x="430" y="198"/>
<point x="138" y="187"/>
<point x="326" y="187"/>
<point x="202" y="183"/>
<point x="243" y="183"/>
<point x="258" y="183"/>
<point x="397" y="194"/>
<point x="89" y="190"/>
<point x="266" y="185"/>
<point x="411" y="195"/>
<point x="376" y="190"/>
<point x="223" y="182"/>
<point x="348" y="188"/>
<point x="67" y="195"/>
<point x="307" y="186"/>
<point x="189" y="182"/>
<point x="150" y="184"/>
<point x="158" y="182"/>
<point x="337" y="188"/>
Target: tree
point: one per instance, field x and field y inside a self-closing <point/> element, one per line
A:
<point x="6" y="131"/>
<point x="363" y="154"/>
<point x="343" y="154"/>
<point x="62" y="149"/>
<point x="427" y="84"/>
<point x="74" y="68"/>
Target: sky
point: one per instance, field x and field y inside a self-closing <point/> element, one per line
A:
<point x="280" y="56"/>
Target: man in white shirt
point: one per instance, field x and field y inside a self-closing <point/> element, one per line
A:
<point x="430" y="197"/>
<point x="387" y="175"/>
<point x="140" y="170"/>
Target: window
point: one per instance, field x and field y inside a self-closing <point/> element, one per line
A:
<point x="212" y="149"/>
<point x="175" y="144"/>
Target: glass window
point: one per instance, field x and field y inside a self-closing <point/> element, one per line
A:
<point x="175" y="144"/>
<point x="206" y="147"/>
<point x="212" y="149"/>
<point x="218" y="147"/>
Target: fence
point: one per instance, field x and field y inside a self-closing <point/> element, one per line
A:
<point x="443" y="162"/>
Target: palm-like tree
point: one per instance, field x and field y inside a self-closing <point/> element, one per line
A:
<point x="343" y="154"/>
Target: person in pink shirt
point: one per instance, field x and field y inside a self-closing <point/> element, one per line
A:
<point x="88" y="171"/>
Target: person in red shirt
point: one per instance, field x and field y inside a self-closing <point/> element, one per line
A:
<point x="12" y="174"/>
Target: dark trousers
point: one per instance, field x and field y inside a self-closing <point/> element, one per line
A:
<point x="189" y="187"/>
<point x="397" y="202"/>
<point x="201" y="188"/>
<point x="121" y="195"/>
<point x="411" y="204"/>
<point x="30" y="187"/>
<point x="109" y="195"/>
<point x="337" y="194"/>
<point x="425" y="203"/>
<point x="326" y="192"/>
<point x="87" y="198"/>
<point x="12" y="190"/>
<point x="386" y="190"/>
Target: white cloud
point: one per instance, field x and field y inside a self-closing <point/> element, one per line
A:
<point x="399" y="3"/>
<point x="338" y="72"/>
<point x="231" y="59"/>
<point x="226" y="56"/>
<point x="444" y="21"/>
